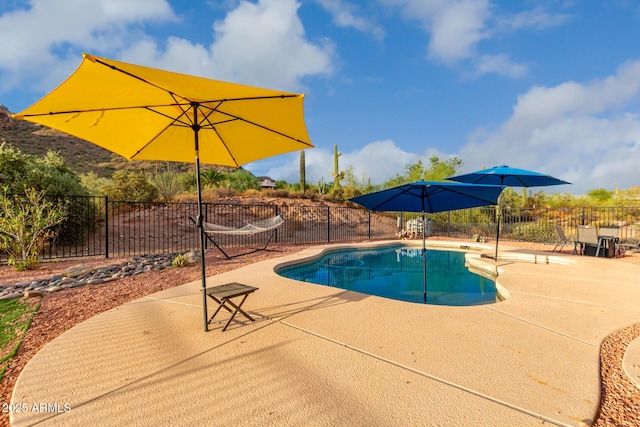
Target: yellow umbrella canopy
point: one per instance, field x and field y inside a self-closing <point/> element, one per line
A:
<point x="144" y="113"/>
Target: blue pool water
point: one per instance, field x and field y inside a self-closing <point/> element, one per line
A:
<point x="396" y="272"/>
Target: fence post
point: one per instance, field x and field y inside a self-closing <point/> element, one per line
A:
<point x="369" y="225"/>
<point x="106" y="226"/>
<point x="277" y="229"/>
<point x="328" y="224"/>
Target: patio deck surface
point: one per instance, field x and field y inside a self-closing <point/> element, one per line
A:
<point x="321" y="356"/>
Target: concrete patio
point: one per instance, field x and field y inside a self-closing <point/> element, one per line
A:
<point x="321" y="356"/>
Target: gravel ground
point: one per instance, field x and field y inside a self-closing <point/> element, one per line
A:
<point x="59" y="311"/>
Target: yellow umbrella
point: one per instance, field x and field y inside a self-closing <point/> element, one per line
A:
<point x="144" y="113"/>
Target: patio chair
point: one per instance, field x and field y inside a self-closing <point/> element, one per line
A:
<point x="588" y="239"/>
<point x="562" y="239"/>
<point x="631" y="245"/>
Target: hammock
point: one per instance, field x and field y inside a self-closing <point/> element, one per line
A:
<point x="255" y="227"/>
<point x="249" y="229"/>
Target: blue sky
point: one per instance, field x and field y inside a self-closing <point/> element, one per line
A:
<point x="549" y="85"/>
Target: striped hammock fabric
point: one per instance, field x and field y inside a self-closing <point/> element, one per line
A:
<point x="251" y="228"/>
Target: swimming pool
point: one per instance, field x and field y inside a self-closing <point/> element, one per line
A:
<point x="396" y="272"/>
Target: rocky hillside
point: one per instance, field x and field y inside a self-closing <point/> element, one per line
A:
<point x="80" y="155"/>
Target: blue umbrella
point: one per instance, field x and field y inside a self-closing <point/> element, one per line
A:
<point x="511" y="177"/>
<point x="430" y="196"/>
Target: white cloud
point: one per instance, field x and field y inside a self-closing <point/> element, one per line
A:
<point x="455" y="27"/>
<point x="577" y="132"/>
<point x="41" y="41"/>
<point x="378" y="161"/>
<point x="264" y="44"/>
<point x="538" y="18"/>
<point x="500" y="64"/>
<point x="260" y="44"/>
<point x="344" y="15"/>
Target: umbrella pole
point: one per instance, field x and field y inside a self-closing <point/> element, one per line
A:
<point x="498" y="217"/>
<point x="203" y="273"/>
<point x="497" y="235"/>
<point x="424" y="259"/>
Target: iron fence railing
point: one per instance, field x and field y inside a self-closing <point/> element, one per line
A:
<point x="97" y="226"/>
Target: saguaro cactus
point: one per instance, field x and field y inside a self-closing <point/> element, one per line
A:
<point x="303" y="177"/>
<point x="337" y="175"/>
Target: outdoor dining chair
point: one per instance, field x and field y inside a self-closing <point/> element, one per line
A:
<point x="562" y="239"/>
<point x="588" y="238"/>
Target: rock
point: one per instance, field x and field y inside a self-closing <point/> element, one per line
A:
<point x="11" y="295"/>
<point x="76" y="284"/>
<point x="34" y="293"/>
<point x="23" y="284"/>
<point x="77" y="270"/>
<point x="84" y="274"/>
<point x="193" y="257"/>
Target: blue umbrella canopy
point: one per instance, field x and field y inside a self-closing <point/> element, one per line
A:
<point x="511" y="177"/>
<point x="430" y="196"/>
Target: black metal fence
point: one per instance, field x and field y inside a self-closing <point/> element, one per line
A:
<point x="530" y="225"/>
<point x="97" y="226"/>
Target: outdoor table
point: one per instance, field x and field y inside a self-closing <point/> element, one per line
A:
<point x="609" y="245"/>
<point x="223" y="294"/>
<point x="606" y="247"/>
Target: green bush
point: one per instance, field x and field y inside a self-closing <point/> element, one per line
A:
<point x="243" y="180"/>
<point x="210" y="178"/>
<point x="93" y="183"/>
<point x="26" y="225"/>
<point x="168" y="185"/>
<point x="537" y="232"/>
<point x="130" y="186"/>
<point x="181" y="260"/>
<point x="48" y="173"/>
<point x="188" y="181"/>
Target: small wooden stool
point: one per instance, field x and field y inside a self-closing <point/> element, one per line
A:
<point x="222" y="294"/>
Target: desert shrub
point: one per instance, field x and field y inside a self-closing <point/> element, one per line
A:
<point x="331" y="197"/>
<point x="168" y="185"/>
<point x="188" y="181"/>
<point x="49" y="173"/>
<point x="243" y="180"/>
<point x="26" y="225"/>
<point x="93" y="183"/>
<point x="185" y="198"/>
<point x="51" y="176"/>
<point x="537" y="232"/>
<point x="181" y="260"/>
<point x="349" y="192"/>
<point x="130" y="186"/>
<point x="252" y="193"/>
<point x="279" y="193"/>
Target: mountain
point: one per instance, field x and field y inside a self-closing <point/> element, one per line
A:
<point x="81" y="156"/>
